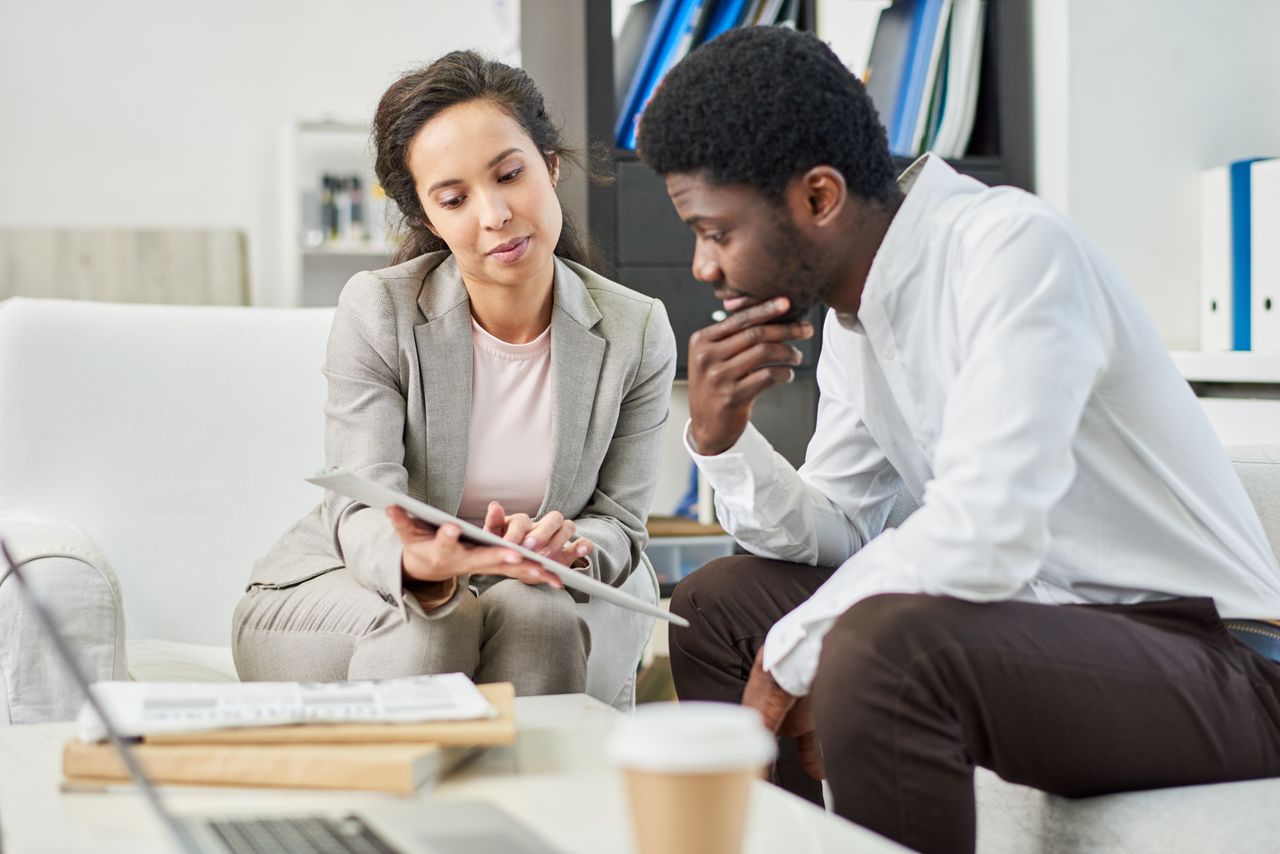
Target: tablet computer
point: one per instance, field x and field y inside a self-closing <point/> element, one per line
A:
<point x="377" y="495"/>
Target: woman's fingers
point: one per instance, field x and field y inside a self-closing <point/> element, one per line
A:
<point x="554" y="546"/>
<point x="579" y="548"/>
<point x="495" y="522"/>
<point x="408" y="528"/>
<point x="518" y="527"/>
<point x="540" y="535"/>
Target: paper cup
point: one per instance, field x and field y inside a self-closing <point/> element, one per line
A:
<point x="688" y="769"/>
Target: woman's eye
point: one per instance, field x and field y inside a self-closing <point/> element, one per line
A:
<point x="512" y="175"/>
<point x="451" y="202"/>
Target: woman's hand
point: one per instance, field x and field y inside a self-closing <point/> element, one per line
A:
<point x="437" y="555"/>
<point x="552" y="535"/>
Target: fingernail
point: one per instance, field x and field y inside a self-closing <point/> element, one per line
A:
<point x="511" y="557"/>
<point x="582" y="551"/>
<point x="780" y="302"/>
<point x="529" y="542"/>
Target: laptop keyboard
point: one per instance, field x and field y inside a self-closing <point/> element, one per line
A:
<point x="300" y="834"/>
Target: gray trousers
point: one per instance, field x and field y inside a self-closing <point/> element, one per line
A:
<point x="332" y="628"/>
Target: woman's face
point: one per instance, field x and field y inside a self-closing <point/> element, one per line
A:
<point x="487" y="192"/>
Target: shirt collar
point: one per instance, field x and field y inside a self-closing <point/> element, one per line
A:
<point x="927" y="184"/>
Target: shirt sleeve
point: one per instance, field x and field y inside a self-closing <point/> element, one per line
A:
<point x="820" y="515"/>
<point x="1033" y="345"/>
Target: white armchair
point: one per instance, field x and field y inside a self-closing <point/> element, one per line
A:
<point x="148" y="455"/>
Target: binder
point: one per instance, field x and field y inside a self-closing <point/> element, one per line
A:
<point x="849" y="26"/>
<point x="1215" y="260"/>
<point x="887" y="65"/>
<point x="919" y="21"/>
<point x="629" y="108"/>
<point x="1226" y="257"/>
<point x="628" y="50"/>
<point x="726" y="15"/>
<point x="1265" y="250"/>
<point x="963" y="64"/>
<point x="682" y="27"/>
<point x="931" y="43"/>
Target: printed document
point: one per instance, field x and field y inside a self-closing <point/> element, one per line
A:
<point x="146" y="708"/>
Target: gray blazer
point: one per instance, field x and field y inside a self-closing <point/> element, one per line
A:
<point x="399" y="375"/>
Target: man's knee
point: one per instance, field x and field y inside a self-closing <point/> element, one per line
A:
<point x="705" y="586"/>
<point x="881" y="641"/>
<point x="730" y="584"/>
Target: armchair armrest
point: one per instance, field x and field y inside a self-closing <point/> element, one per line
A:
<point x="70" y="575"/>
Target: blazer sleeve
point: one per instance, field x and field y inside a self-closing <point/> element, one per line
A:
<point x="614" y="518"/>
<point x="364" y="433"/>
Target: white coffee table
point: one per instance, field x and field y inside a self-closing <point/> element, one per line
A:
<point x="554" y="779"/>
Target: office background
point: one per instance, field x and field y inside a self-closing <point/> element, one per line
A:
<point x="181" y="115"/>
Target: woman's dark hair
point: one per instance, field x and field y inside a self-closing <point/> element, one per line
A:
<point x="421" y="95"/>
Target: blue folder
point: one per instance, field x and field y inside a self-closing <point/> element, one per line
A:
<point x="727" y="15"/>
<point x="679" y="27"/>
<point x="924" y="32"/>
<point x="1242" y="253"/>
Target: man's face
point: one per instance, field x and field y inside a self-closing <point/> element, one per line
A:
<point x="747" y="246"/>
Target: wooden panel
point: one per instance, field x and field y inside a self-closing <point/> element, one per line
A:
<point x="125" y="265"/>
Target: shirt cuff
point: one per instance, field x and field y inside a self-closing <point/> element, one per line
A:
<point x="791" y="656"/>
<point x="734" y="472"/>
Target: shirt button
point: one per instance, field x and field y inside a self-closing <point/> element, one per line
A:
<point x="889" y="353"/>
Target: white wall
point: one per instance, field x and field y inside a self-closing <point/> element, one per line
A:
<point x="1134" y="99"/>
<point x="164" y="113"/>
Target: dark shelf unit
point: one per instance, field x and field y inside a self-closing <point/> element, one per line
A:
<point x="643" y="244"/>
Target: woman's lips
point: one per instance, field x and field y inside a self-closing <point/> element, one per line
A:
<point x="509" y="253"/>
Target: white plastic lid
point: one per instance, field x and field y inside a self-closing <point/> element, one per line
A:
<point x="692" y="737"/>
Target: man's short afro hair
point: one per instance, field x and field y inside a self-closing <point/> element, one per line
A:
<point x="760" y="105"/>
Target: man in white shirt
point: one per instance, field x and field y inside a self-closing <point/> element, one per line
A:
<point x="1053" y="610"/>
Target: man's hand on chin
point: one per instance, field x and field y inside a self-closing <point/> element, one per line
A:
<point x="784" y="715"/>
<point x="732" y="362"/>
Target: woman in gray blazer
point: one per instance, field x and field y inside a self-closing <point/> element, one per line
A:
<point x="489" y="313"/>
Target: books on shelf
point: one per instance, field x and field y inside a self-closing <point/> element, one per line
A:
<point x="849" y="27"/>
<point x="1231" y="197"/>
<point x="921" y="62"/>
<point x="657" y="34"/>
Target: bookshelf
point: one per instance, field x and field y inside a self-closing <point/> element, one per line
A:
<point x="644" y="245"/>
<point x="315" y="263"/>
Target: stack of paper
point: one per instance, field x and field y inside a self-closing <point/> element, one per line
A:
<point x="393" y="753"/>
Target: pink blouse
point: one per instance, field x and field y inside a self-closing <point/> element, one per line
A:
<point x="509" y="448"/>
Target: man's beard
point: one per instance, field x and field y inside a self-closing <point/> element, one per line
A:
<point x="794" y="274"/>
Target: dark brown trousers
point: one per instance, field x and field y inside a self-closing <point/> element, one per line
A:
<point x="912" y="691"/>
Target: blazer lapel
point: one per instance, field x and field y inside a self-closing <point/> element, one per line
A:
<point x="576" y="356"/>
<point x="444" y="354"/>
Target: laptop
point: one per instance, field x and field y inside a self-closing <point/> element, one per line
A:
<point x="430" y="827"/>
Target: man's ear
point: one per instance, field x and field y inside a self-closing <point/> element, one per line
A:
<point x="821" y="194"/>
<point x="553" y="167"/>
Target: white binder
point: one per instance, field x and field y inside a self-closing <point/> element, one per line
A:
<point x="1215" y="259"/>
<point x="1265" y="309"/>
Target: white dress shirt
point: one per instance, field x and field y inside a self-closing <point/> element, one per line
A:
<point x="1005" y="372"/>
